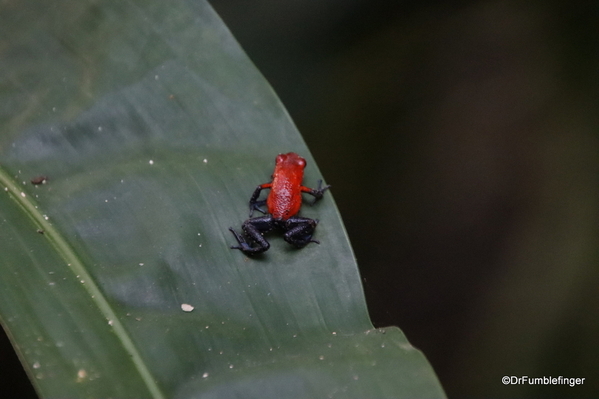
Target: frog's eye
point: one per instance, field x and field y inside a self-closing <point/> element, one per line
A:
<point x="301" y="162"/>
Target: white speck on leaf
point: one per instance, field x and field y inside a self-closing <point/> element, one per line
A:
<point x="186" y="307"/>
<point x="81" y="375"/>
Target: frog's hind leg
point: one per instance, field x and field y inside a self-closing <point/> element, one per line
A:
<point x="299" y="231"/>
<point x="252" y="241"/>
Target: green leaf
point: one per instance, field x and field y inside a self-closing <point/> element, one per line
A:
<point x="116" y="277"/>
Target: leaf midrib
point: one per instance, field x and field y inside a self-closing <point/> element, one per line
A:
<point x="76" y="266"/>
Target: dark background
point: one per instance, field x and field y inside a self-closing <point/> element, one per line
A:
<point x="462" y="143"/>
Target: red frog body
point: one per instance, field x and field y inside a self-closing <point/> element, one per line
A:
<point x="285" y="197"/>
<point x="283" y="203"/>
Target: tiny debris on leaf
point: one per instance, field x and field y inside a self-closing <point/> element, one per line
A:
<point x="186" y="307"/>
<point x="39" y="180"/>
<point x="81" y="375"/>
